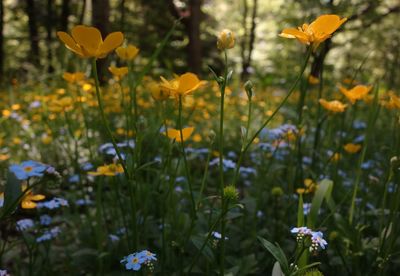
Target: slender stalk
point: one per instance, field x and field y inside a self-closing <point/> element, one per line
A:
<point x="104" y="119"/>
<point x="186" y="165"/>
<point x="221" y="165"/>
<point x="291" y="90"/>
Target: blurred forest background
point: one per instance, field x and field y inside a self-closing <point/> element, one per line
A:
<point x="30" y="50"/>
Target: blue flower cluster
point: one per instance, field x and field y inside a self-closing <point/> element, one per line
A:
<point x="317" y="240"/>
<point x="55" y="203"/>
<point x="109" y="149"/>
<point x="226" y="163"/>
<point x="136" y="260"/>
<point x="24" y="224"/>
<point x="49" y="234"/>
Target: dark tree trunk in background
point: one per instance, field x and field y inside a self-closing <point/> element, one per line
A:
<point x="122" y="19"/>
<point x="247" y="60"/>
<point x="65" y="12"/>
<point x="33" y="32"/>
<point x="49" y="39"/>
<point x="1" y="40"/>
<point x="191" y="18"/>
<point x="244" y="37"/>
<point x="193" y="31"/>
<point x="82" y="15"/>
<point x="319" y="58"/>
<point x="100" y="19"/>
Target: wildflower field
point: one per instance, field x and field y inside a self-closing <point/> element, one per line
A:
<point x="119" y="159"/>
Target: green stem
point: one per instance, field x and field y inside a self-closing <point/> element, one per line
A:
<point x="221" y="165"/>
<point x="185" y="159"/>
<point x="104" y="119"/>
<point x="291" y="90"/>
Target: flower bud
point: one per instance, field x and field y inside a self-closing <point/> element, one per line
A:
<point x="230" y="193"/>
<point x="226" y="40"/>
<point x="248" y="86"/>
<point x="211" y="136"/>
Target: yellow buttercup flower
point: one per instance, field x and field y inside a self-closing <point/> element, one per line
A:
<point x="334" y="106"/>
<point x="175" y="134"/>
<point x="393" y="102"/>
<point x="358" y="92"/>
<point x="316" y="32"/>
<point x="313" y="80"/>
<point x="108" y="170"/>
<point x="127" y="53"/>
<point x="157" y="92"/>
<point x="4" y="157"/>
<point x="87" y="42"/>
<point x="226" y="40"/>
<point x="28" y="202"/>
<point x="74" y="77"/>
<point x="118" y="72"/>
<point x="352" y="148"/>
<point x="182" y="85"/>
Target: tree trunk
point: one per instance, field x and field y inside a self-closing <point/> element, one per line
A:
<point x="1" y="40"/>
<point x="65" y="12"/>
<point x="33" y="33"/>
<point x="244" y="37"/>
<point x="100" y="19"/>
<point x="319" y="59"/>
<point x="82" y="15"/>
<point x="122" y="19"/>
<point x="247" y="63"/>
<point x="49" y="29"/>
<point x="193" y="32"/>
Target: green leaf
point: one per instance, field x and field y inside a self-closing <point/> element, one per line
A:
<point x="300" y="212"/>
<point x="277" y="252"/>
<point x="198" y="242"/>
<point x="303" y="269"/>
<point x="276" y="270"/>
<point x="324" y="190"/>
<point x="12" y="194"/>
<point x="215" y="76"/>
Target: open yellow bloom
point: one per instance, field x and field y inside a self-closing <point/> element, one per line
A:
<point x="118" y="72"/>
<point x="334" y="106"/>
<point x="175" y="134"/>
<point x="74" y="77"/>
<point x="352" y="148"/>
<point x="127" y="53"/>
<point x="393" y="102"/>
<point x="317" y="32"/>
<point x="358" y="92"/>
<point x="157" y="92"/>
<point x="108" y="170"/>
<point x="182" y="85"/>
<point x="87" y="42"/>
<point x="29" y="198"/>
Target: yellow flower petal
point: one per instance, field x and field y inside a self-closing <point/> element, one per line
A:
<point x="327" y="24"/>
<point x="187" y="83"/>
<point x="89" y="38"/>
<point x="294" y="33"/>
<point x="37" y="197"/>
<point x="111" y="42"/>
<point x="70" y="43"/>
<point x="28" y="204"/>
